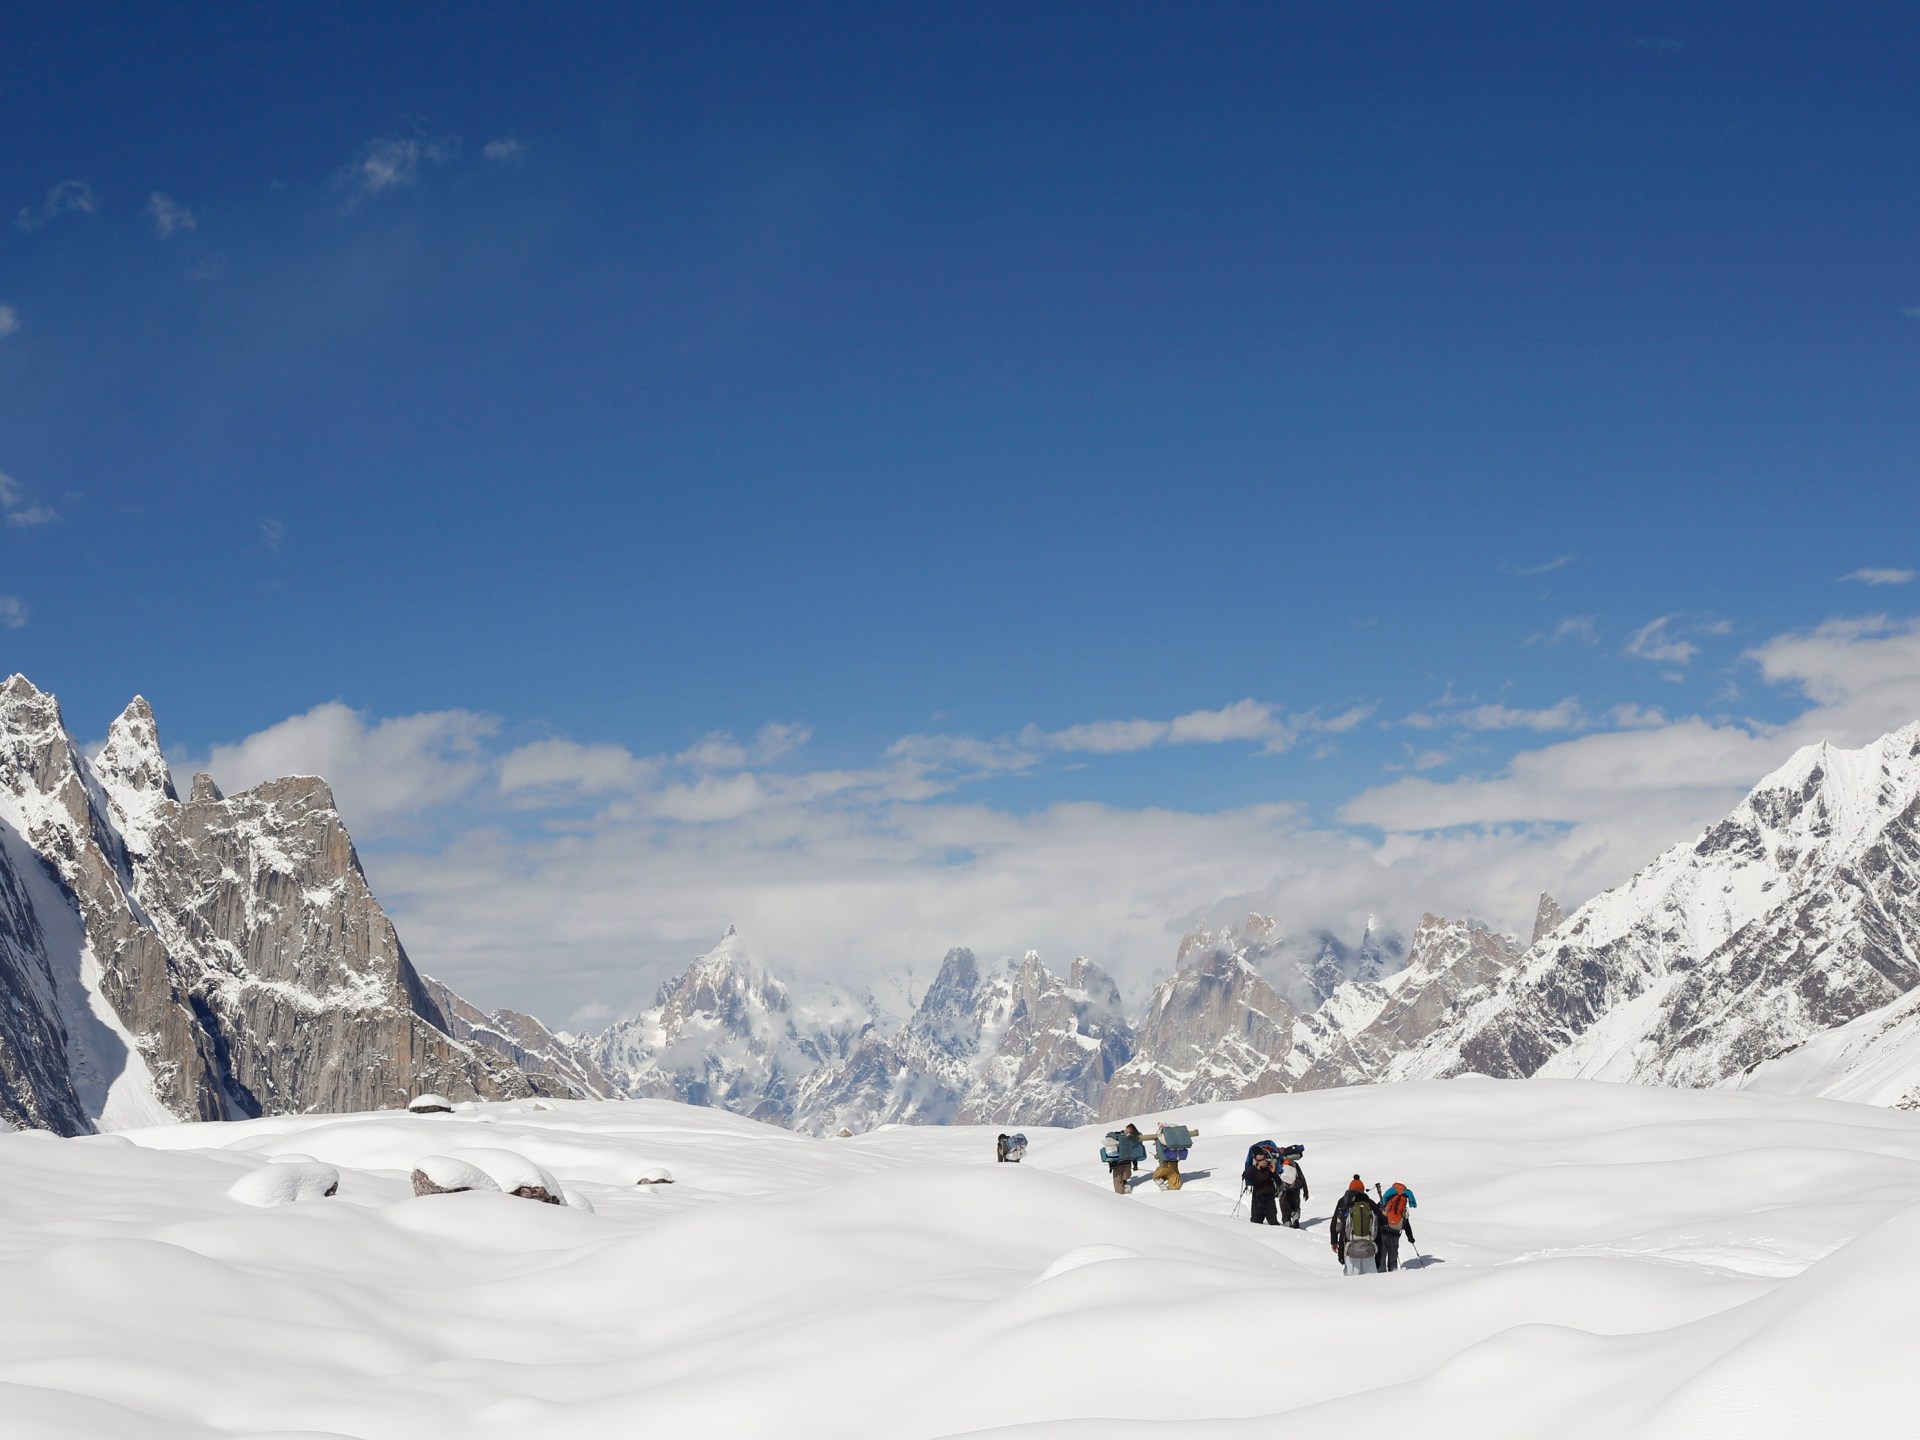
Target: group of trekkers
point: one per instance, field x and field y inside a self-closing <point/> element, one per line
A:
<point x="1365" y="1229"/>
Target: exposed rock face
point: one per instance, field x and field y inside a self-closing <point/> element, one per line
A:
<point x="727" y="1033"/>
<point x="1017" y="1045"/>
<point x="1546" y="918"/>
<point x="563" y="1064"/>
<point x="1798" y="913"/>
<point x="201" y="960"/>
<point x="1213" y="1030"/>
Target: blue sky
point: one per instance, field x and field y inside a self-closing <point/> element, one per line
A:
<point x="1441" y="386"/>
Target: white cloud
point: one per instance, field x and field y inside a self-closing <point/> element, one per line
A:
<point x="393" y="164"/>
<point x="381" y="772"/>
<point x="69" y="197"/>
<point x="169" y="216"/>
<point x="274" y="533"/>
<point x="851" y="874"/>
<point x="1244" y="720"/>
<point x="1664" y="638"/>
<point x="13" y="612"/>
<point x="9" y="321"/>
<point x="1582" y="628"/>
<point x="504" y="151"/>
<point x="14" y="505"/>
<point x="1559" y="562"/>
<point x="720" y="751"/>
<point x="564" y="765"/>
<point x="1566" y="715"/>
<point x="1882" y="577"/>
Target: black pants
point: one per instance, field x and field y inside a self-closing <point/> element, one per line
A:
<point x="1290" y="1205"/>
<point x="1389" y="1242"/>
<point x="1263" y="1211"/>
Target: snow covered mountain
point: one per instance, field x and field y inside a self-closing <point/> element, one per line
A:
<point x="1797" y="914"/>
<point x="1217" y="1029"/>
<point x="728" y="1033"/>
<point x="1016" y="1045"/>
<point x="200" y="959"/>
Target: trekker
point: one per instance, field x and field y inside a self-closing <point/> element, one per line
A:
<point x="1394" y="1220"/>
<point x="1171" y="1145"/>
<point x="1000" y="1149"/>
<point x="1354" y="1224"/>
<point x="1263" y="1184"/>
<point x="1124" y="1149"/>
<point x="1293" y="1189"/>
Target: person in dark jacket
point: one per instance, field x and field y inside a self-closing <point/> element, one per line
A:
<point x="1000" y="1149"/>
<point x="1263" y="1183"/>
<point x="1395" y="1221"/>
<point x="1122" y="1170"/>
<point x="1341" y="1229"/>
<point x="1293" y="1189"/>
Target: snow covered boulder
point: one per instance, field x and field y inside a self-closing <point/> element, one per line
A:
<point x="430" y="1104"/>
<point x="286" y="1184"/>
<point x="446" y="1175"/>
<point x="656" y="1176"/>
<point x="514" y="1174"/>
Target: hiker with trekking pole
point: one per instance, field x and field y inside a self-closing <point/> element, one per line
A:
<point x="1264" y="1177"/>
<point x="1395" y="1202"/>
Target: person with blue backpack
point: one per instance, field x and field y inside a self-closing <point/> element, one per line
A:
<point x="1124" y="1149"/>
<point x="1262" y="1179"/>
<point x="1395" y="1202"/>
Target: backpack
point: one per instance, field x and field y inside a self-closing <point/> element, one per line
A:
<point x="1360" y="1223"/>
<point x="1016" y="1147"/>
<point x="1121" y="1147"/>
<point x="1394" y="1211"/>
<point x="1257" y="1146"/>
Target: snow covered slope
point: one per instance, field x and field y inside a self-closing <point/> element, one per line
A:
<point x="206" y="958"/>
<point x="1596" y="1261"/>
<point x="1798" y="913"/>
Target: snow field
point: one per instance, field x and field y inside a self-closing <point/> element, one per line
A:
<point x="1597" y="1260"/>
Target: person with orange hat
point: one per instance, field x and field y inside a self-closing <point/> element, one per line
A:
<point x="1352" y="1231"/>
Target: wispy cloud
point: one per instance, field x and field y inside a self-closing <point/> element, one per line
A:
<point x="69" y="197"/>
<point x="1664" y="639"/>
<point x="170" y="216"/>
<point x="1244" y="720"/>
<point x="274" y="533"/>
<point x="1882" y="577"/>
<point x="505" y="151"/>
<point x="1559" y="562"/>
<point x="1584" y="629"/>
<point x="394" y="163"/>
<point x="9" y="321"/>
<point x="1912" y="312"/>
<point x="13" y="612"/>
<point x="16" y="505"/>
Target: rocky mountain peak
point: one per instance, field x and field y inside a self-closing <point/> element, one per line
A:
<point x="1546" y="918"/>
<point x="133" y="771"/>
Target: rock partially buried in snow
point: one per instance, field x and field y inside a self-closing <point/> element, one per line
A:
<point x="514" y="1174"/>
<point x="1087" y="1255"/>
<point x="656" y="1176"/>
<point x="286" y="1184"/>
<point x="444" y="1175"/>
<point x="430" y="1104"/>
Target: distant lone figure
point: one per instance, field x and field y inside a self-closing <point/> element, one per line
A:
<point x="1000" y="1149"/>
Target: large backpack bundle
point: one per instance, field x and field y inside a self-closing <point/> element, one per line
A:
<point x="1279" y="1152"/>
<point x="1360" y="1228"/>
<point x="1121" y="1146"/>
<point x="1174" y="1142"/>
<point x="1016" y="1148"/>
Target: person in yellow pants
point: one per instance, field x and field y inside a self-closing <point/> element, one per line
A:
<point x="1170" y="1145"/>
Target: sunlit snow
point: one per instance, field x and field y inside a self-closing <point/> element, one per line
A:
<point x="1593" y="1260"/>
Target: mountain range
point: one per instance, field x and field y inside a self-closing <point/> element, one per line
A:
<point x="220" y="957"/>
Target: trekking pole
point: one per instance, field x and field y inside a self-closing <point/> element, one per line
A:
<point x="1238" y="1198"/>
